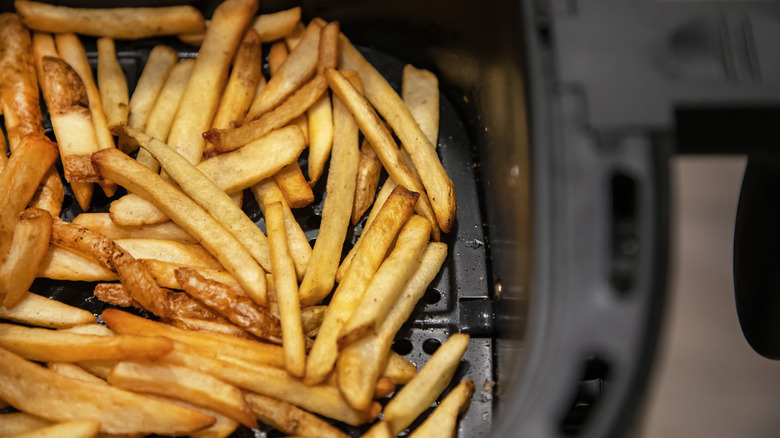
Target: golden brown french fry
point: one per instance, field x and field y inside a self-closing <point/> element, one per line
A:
<point x="286" y="288"/>
<point x="40" y="311"/>
<point x="169" y="251"/>
<point x="158" y="65"/>
<point x="417" y="395"/>
<point x="194" y="38"/>
<point x="290" y="419"/>
<point x="165" y="274"/>
<point x="119" y="23"/>
<point x="382" y="141"/>
<point x="311" y="319"/>
<point x="388" y="103"/>
<point x="184" y="384"/>
<point x="102" y="223"/>
<point x="294" y="72"/>
<point x="222" y="428"/>
<point x="49" y="194"/>
<point x="389" y="281"/>
<point x="340" y="189"/>
<point x="226" y="348"/>
<point x="176" y="304"/>
<point x="273" y="26"/>
<point x="367" y="181"/>
<point x="399" y="369"/>
<point x="320" y="118"/>
<point x="112" y="85"/>
<point x="73" y="429"/>
<point x="384" y="387"/>
<point x="420" y="92"/>
<point x="125" y="171"/>
<point x="376" y="242"/>
<point x="360" y="364"/>
<point x="34" y="389"/>
<point x="379" y="430"/>
<point x="74" y="371"/>
<point x="328" y="51"/>
<point x="276" y="56"/>
<point x="28" y="246"/>
<point x="443" y="421"/>
<point x="293" y="38"/>
<point x="63" y="264"/>
<point x="3" y="152"/>
<point x="296" y="190"/>
<point x="242" y="85"/>
<point x="293" y="106"/>
<point x="56" y="346"/>
<point x="20" y="422"/>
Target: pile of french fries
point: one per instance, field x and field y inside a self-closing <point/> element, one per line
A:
<point x="240" y="336"/>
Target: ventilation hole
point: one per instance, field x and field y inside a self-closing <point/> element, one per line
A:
<point x="587" y="394"/>
<point x="432" y="296"/>
<point x="431" y="345"/>
<point x="314" y="221"/>
<point x="402" y="346"/>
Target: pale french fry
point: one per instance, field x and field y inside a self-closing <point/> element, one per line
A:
<point x="286" y="288"/>
<point x="205" y="326"/>
<point x="112" y="85"/>
<point x="125" y="171"/>
<point x="267" y="192"/>
<point x="73" y="429"/>
<point x="294" y="72"/>
<point x="132" y="210"/>
<point x="336" y="209"/>
<point x="442" y="423"/>
<point x="389" y="281"/>
<point x="201" y="97"/>
<point x="215" y="201"/>
<point x="98" y="368"/>
<point x="40" y="311"/>
<point x="165" y="274"/>
<point x="290" y="419"/>
<point x="34" y="389"/>
<point x="28" y="247"/>
<point x="293" y="38"/>
<point x="102" y="223"/>
<point x="293" y="106"/>
<point x="62" y="264"/>
<point x="170" y="252"/>
<point x="184" y="384"/>
<point x="226" y="348"/>
<point x="382" y="141"/>
<point x="367" y="181"/>
<point x="360" y="364"/>
<point x="388" y="103"/>
<point x="242" y="85"/>
<point x="379" y="430"/>
<point x="20" y="422"/>
<point x="56" y="346"/>
<point x="119" y="23"/>
<point x="159" y="64"/>
<point x="296" y="190"/>
<point x="376" y="242"/>
<point x="420" y="92"/>
<point x="270" y="27"/>
<point x="89" y="329"/>
<point x="417" y="395"/>
<point x="75" y="372"/>
<point x="222" y="428"/>
<point x="320" y="117"/>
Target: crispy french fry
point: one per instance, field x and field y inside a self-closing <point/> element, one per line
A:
<point x="55" y="346"/>
<point x="184" y="384"/>
<point x="74" y="371"/>
<point x="294" y="72"/>
<point x="102" y="223"/>
<point x="186" y="213"/>
<point x="28" y="246"/>
<point x="165" y="274"/>
<point x="290" y="419"/>
<point x="63" y="264"/>
<point x="270" y="27"/>
<point x="177" y="304"/>
<point x="420" y="92"/>
<point x="376" y="242"/>
<point x="367" y="181"/>
<point x="119" y="23"/>
<point x="381" y="140"/>
<point x="360" y="364"/>
<point x="20" y="422"/>
<point x="320" y="117"/>
<point x="417" y="395"/>
<point x="40" y="311"/>
<point x="443" y="421"/>
<point x="286" y="288"/>
<point x="242" y="85"/>
<point x="294" y="187"/>
<point x="340" y="189"/>
<point x="113" y="86"/>
<point x="34" y="389"/>
<point x="328" y="51"/>
<point x="73" y="429"/>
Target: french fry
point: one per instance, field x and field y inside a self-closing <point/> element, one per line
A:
<point x="34" y="389"/>
<point x="237" y="308"/>
<point x="376" y="242"/>
<point x="165" y="274"/>
<point x="296" y="190"/>
<point x="384" y="387"/>
<point x="55" y="346"/>
<point x="286" y="288"/>
<point x="417" y="395"/>
<point x="169" y="251"/>
<point x="382" y="141"/>
<point x="177" y="304"/>
<point x="276" y="56"/>
<point x="320" y="118"/>
<point x="194" y="38"/>
<point x="132" y="210"/>
<point x="340" y="189"/>
<point x="270" y="27"/>
<point x="184" y="384"/>
<point x="222" y="428"/>
<point x="113" y="86"/>
<point x="293" y="38"/>
<point x="290" y="419"/>
<point x="186" y="213"/>
<point x="215" y="201"/>
<point x="74" y="371"/>
<point x="311" y="319"/>
<point x="379" y="430"/>
<point x="443" y="421"/>
<point x="420" y="92"/>
<point x="63" y="264"/>
<point x="102" y="223"/>
<point x="20" y="422"/>
<point x="328" y="50"/>
<point x="267" y="192"/>
<point x="3" y="152"/>
<point x="40" y="311"/>
<point x="242" y="85"/>
<point x="367" y="181"/>
<point x="206" y="326"/>
<point x="360" y="364"/>
<point x="49" y="194"/>
<point x="226" y="348"/>
<point x="388" y="103"/>
<point x="73" y="429"/>
<point x="89" y="329"/>
<point x="293" y="106"/>
<point x="28" y="246"/>
<point x="294" y="72"/>
<point x="389" y="281"/>
<point x="158" y="66"/>
<point x="400" y="370"/>
<point x="118" y="23"/>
